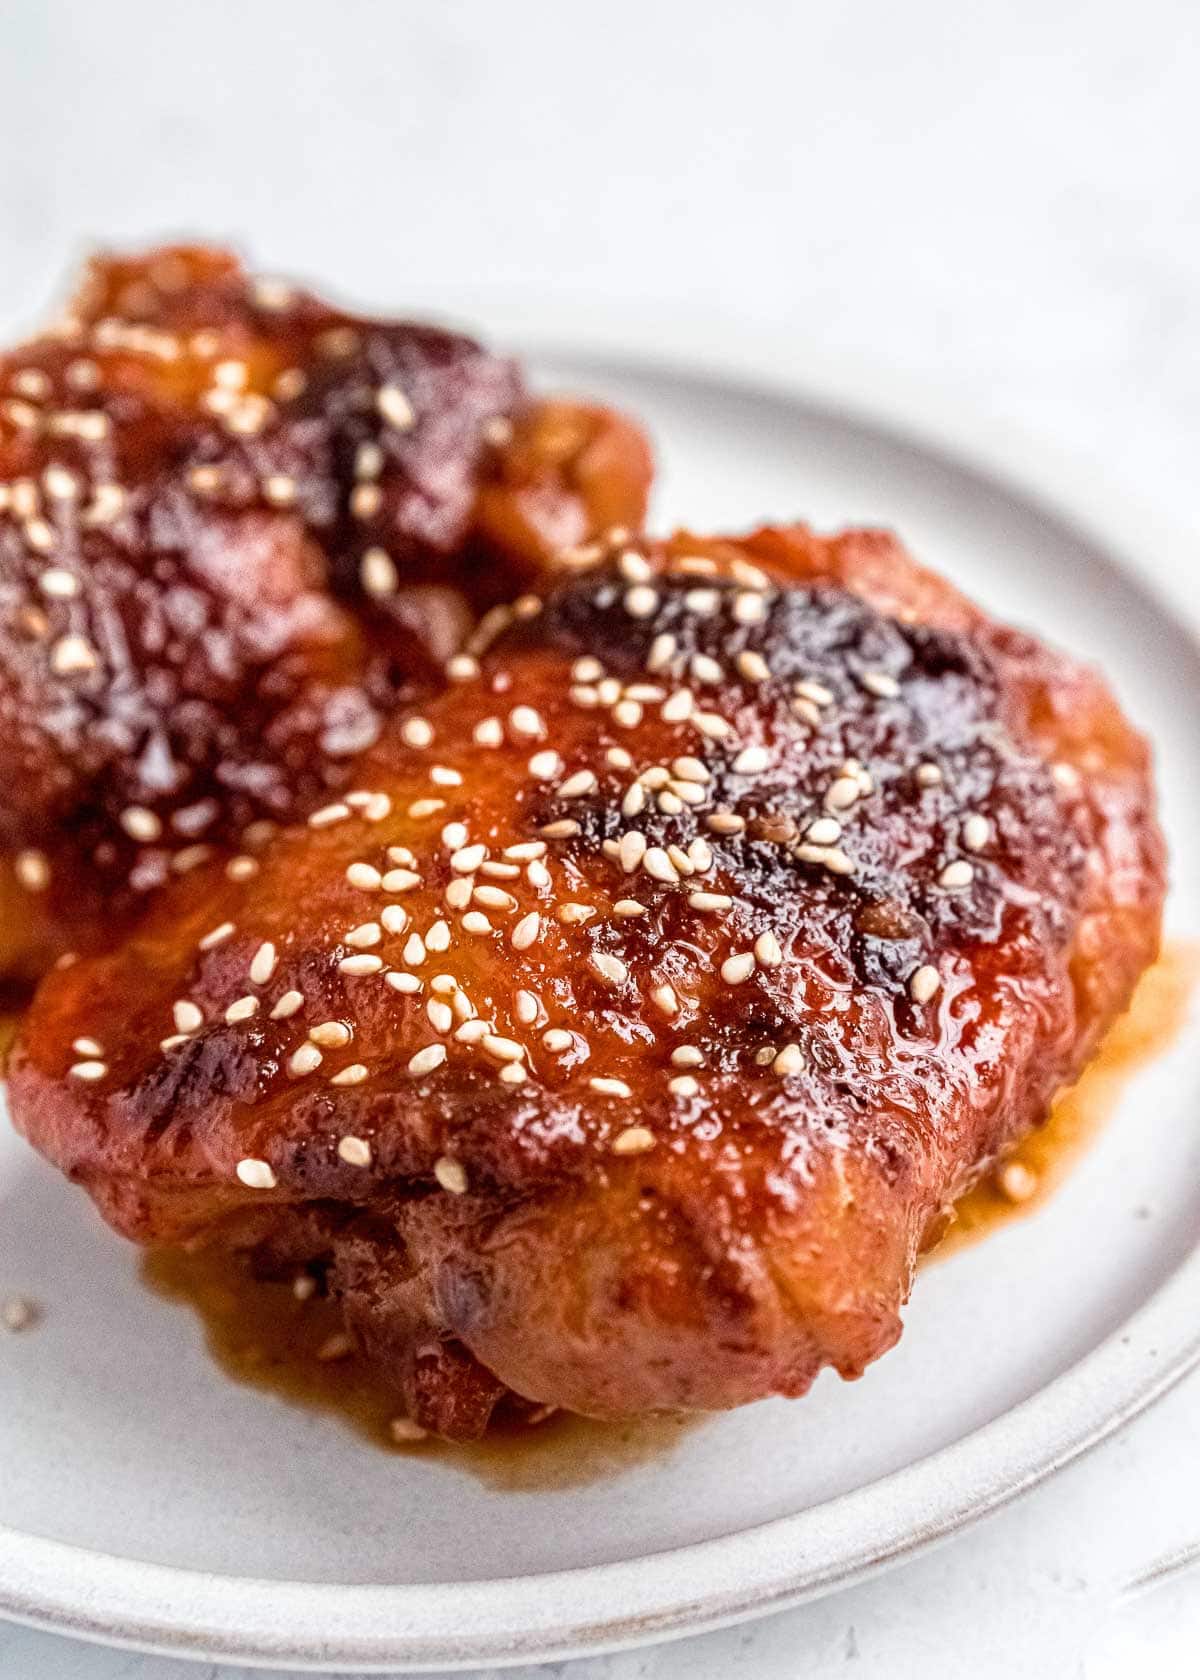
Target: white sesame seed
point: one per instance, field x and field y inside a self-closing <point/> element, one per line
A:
<point x="611" y="970"/>
<point x="713" y="725"/>
<point x="634" y="567"/>
<point x="512" y="1073"/>
<point x="767" y="950"/>
<point x="288" y="1004"/>
<point x="709" y="901"/>
<point x="355" y="1151"/>
<point x="425" y="808"/>
<point x="561" y="830"/>
<point x="188" y="1018"/>
<point x="256" y="1175"/>
<point x="976" y="832"/>
<point x="416" y="732"/>
<point x="725" y="822"/>
<point x="587" y="670"/>
<point x="557" y="1040"/>
<point x="363" y="936"/>
<point x="679" y="707"/>
<point x="525" y="850"/>
<point x="467" y="859"/>
<point x="880" y="684"/>
<point x="627" y="713"/>
<point x="702" y="602"/>
<point x="488" y="732"/>
<point x="450" y="1174"/>
<point x="737" y="968"/>
<point x="749" y="608"/>
<point x="401" y="982"/>
<point x="393" y="918"/>
<point x="750" y="760"/>
<point x="442" y="776"/>
<point x="634" y="800"/>
<point x="58" y="584"/>
<point x="458" y="892"/>
<point x="377" y="573"/>
<point x="842" y="793"/>
<point x="705" y="669"/>
<point x="573" y="915"/>
<point x="583" y="781"/>
<point x="526" y="931"/>
<point x="687" y="1055"/>
<point x="241" y="1010"/>
<point x="688" y="769"/>
<point x="662" y="651"/>
<point x="360" y="965"/>
<point x="471" y="1031"/>
<point x="789" y="1060"/>
<point x="524" y="721"/>
<point x="400" y="880"/>
<point x="825" y="831"/>
<point x="956" y="874"/>
<point x="634" y="1140"/>
<point x="87" y="1047"/>
<point x="476" y="922"/>
<point x="461" y="667"/>
<point x="658" y="865"/>
<point x="625" y="907"/>
<point x="610" y="1088"/>
<point x="838" y="862"/>
<point x="929" y="775"/>
<point x="641" y="601"/>
<point x="454" y="836"/>
<point x="1017" y="1181"/>
<point x="414" y="950"/>
<point x="538" y="875"/>
<point x="441" y="1016"/>
<point x="404" y="1430"/>
<point x="364" y="876"/>
<point x="683" y="1085"/>
<point x="501" y="1049"/>
<point x="664" y="998"/>
<point x="89" y="1070"/>
<point x="71" y="654"/>
<point x="331" y="1035"/>
<point x="527" y="1008"/>
<point x="426" y="1060"/>
<point x="395" y="408"/>
<point x="924" y="983"/>
<point x="32" y="869"/>
<point x="438" y="936"/>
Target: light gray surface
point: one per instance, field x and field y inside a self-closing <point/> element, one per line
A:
<point x="1007" y="208"/>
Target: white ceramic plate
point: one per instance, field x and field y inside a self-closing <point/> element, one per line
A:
<point x="146" y="1499"/>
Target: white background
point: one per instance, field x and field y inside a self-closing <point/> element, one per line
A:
<point x="1002" y="201"/>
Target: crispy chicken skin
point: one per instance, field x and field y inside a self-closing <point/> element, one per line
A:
<point x="620" y="1042"/>
<point x="235" y="523"/>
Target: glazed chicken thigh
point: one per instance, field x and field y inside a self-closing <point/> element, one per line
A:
<point x="235" y="524"/>
<point x="619" y="1034"/>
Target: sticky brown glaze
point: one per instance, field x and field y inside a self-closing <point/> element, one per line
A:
<point x="677" y="971"/>
<point x="235" y="523"/>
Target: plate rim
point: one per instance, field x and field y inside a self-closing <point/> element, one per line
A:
<point x="179" y="1612"/>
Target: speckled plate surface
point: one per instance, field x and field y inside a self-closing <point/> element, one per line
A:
<point x="146" y="1499"/>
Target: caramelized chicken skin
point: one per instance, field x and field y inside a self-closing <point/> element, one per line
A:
<point x="235" y="523"/>
<point x="619" y="1041"/>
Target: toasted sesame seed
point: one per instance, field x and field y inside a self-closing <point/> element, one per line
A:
<point x="956" y="875"/>
<point x="89" y="1070"/>
<point x="255" y="1174"/>
<point x="634" y="1140"/>
<point x="360" y="965"/>
<point x="573" y="915"/>
<point x="404" y="1430"/>
<point x="976" y="832"/>
<point x="336" y="1346"/>
<point x="304" y="1060"/>
<point x="526" y="931"/>
<point x="842" y="793"/>
<point x="355" y="1151"/>
<point x="188" y="1018"/>
<point x="752" y="666"/>
<point x="395" y="408"/>
<point x="789" y="1060"/>
<point x="451" y="1175"/>
<point x="683" y="1085"/>
<point x="17" y="1313"/>
<point x="416" y="732"/>
<point x="767" y="950"/>
<point x="737" y="968"/>
<point x="556" y="1039"/>
<point x="288" y="1004"/>
<point x="838" y="862"/>
<point x="879" y="683"/>
<point x="687" y="1055"/>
